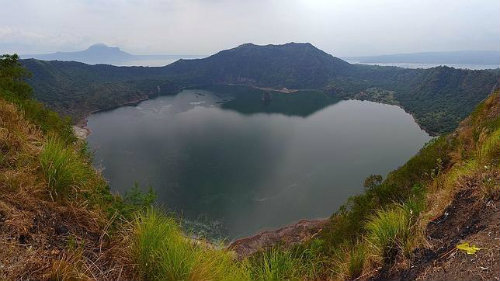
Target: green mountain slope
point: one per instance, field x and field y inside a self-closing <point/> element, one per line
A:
<point x="59" y="221"/>
<point x="292" y="65"/>
<point x="438" y="97"/>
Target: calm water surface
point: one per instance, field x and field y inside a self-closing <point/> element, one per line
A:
<point x="250" y="172"/>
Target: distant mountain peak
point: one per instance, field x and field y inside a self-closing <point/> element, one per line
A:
<point x="290" y="44"/>
<point x="246" y="45"/>
<point x="98" y="45"/>
<point x="290" y="65"/>
<point x="96" y="53"/>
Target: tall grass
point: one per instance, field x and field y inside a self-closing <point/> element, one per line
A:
<point x="162" y="252"/>
<point x="350" y="261"/>
<point x="389" y="232"/>
<point x="276" y="265"/>
<point x="62" y="166"/>
<point x="489" y="150"/>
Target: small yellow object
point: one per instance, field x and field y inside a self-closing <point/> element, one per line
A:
<point x="470" y="249"/>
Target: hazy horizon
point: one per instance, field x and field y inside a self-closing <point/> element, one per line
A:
<point x="203" y="55"/>
<point x="195" y="27"/>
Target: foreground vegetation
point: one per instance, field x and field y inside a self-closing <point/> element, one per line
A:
<point x="59" y="221"/>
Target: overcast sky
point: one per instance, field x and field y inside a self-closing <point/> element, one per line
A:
<point x="342" y="28"/>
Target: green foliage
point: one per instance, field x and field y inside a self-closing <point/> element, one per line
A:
<point x="438" y="98"/>
<point x="401" y="185"/>
<point x="134" y="201"/>
<point x="15" y="90"/>
<point x="372" y="181"/>
<point x="62" y="167"/>
<point x="12" y="75"/>
<point x="162" y="252"/>
<point x="76" y="89"/>
<point x="140" y="200"/>
<point x="292" y="65"/>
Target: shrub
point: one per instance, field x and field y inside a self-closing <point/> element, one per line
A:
<point x="14" y="89"/>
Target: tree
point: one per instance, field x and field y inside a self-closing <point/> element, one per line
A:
<point x="372" y="181"/>
<point x="12" y="76"/>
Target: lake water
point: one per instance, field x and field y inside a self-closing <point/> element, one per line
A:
<point x="430" y="65"/>
<point x="246" y="173"/>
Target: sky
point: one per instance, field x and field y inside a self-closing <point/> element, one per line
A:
<point x="201" y="27"/>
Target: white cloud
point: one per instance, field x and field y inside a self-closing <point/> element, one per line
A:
<point x="354" y="27"/>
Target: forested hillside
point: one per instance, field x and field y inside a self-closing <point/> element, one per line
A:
<point x="438" y="97"/>
<point x="60" y="222"/>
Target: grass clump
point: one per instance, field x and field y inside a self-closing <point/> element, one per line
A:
<point x="390" y="232"/>
<point x="162" y="252"/>
<point x="274" y="265"/>
<point x="62" y="166"/>
<point x="350" y="262"/>
<point x="489" y="152"/>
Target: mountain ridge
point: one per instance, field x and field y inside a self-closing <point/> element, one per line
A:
<point x="292" y="65"/>
<point x="438" y="97"/>
<point x="60" y="220"/>
<point x="94" y="54"/>
<point x="102" y="54"/>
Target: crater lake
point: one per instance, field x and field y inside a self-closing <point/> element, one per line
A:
<point x="235" y="174"/>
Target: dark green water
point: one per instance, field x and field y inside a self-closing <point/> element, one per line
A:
<point x="250" y="172"/>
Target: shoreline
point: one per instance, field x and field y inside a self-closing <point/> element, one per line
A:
<point x="291" y="234"/>
<point x="82" y="131"/>
<point x="81" y="126"/>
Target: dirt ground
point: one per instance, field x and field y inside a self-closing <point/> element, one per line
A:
<point x="469" y="218"/>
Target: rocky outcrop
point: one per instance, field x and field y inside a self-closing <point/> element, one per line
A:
<point x="289" y="235"/>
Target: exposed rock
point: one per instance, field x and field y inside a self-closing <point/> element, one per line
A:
<point x="289" y="235"/>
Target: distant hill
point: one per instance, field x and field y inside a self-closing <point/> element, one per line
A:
<point x="102" y="54"/>
<point x="457" y="57"/>
<point x="438" y="97"/>
<point x="98" y="53"/>
<point x="292" y="65"/>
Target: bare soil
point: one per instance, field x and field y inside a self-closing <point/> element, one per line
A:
<point x="469" y="218"/>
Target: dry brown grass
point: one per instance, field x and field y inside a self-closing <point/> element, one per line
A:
<point x="42" y="238"/>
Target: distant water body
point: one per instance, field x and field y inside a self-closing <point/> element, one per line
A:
<point x="155" y="61"/>
<point x="249" y="172"/>
<point x="171" y="59"/>
<point x="431" y="65"/>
